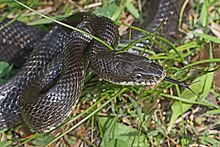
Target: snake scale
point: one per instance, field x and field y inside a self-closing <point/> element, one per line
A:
<point x="47" y="87"/>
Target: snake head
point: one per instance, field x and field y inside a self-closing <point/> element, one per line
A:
<point x="127" y="69"/>
<point x="137" y="70"/>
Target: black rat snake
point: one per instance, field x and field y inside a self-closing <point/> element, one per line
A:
<point x="49" y="83"/>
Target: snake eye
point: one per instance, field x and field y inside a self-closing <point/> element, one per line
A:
<point x="138" y="77"/>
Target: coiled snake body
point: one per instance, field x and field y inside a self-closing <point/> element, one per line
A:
<point x="49" y="84"/>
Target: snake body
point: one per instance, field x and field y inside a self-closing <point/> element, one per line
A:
<point x="49" y="84"/>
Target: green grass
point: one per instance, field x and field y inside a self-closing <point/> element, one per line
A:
<point x="163" y="115"/>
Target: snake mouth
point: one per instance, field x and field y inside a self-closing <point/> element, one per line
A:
<point x="162" y="77"/>
<point x="153" y="81"/>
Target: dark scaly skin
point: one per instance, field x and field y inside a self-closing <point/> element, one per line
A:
<point x="47" y="109"/>
<point x="36" y="109"/>
<point x="169" y="9"/>
<point x="45" y="50"/>
<point x="16" y="45"/>
<point x="165" y="9"/>
<point x="18" y="40"/>
<point x="42" y="54"/>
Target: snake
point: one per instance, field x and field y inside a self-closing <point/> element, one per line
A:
<point x="53" y="64"/>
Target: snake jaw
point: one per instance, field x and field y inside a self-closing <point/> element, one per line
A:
<point x="152" y="81"/>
